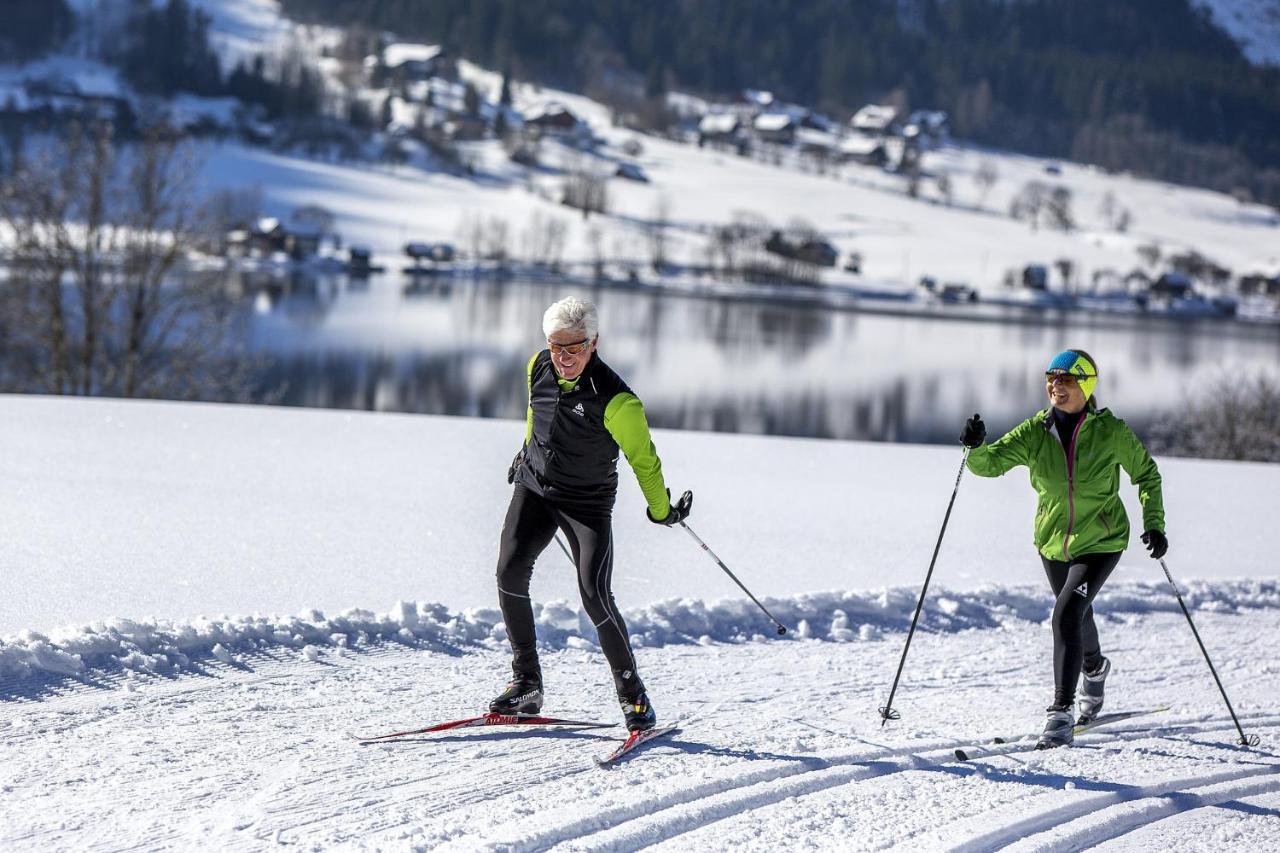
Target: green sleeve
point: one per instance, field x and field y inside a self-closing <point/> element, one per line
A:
<point x="528" y="413"/>
<point x="625" y="420"/>
<point x="1143" y="473"/>
<point x="1008" y="451"/>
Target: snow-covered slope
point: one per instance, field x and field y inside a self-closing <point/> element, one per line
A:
<point x="859" y="208"/>
<point x="178" y="511"/>
<point x="1254" y="24"/>
<point x="192" y="729"/>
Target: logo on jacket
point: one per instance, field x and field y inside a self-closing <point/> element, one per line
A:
<point x="578" y="410"/>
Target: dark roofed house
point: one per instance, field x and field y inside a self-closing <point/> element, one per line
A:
<point x="557" y="121"/>
<point x="554" y="118"/>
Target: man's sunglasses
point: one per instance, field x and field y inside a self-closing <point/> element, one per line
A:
<point x="572" y="349"/>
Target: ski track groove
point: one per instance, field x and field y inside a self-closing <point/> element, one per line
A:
<point x="557" y="759"/>
<point x="1123" y="819"/>
<point x="1106" y="816"/>
<point x="644" y="823"/>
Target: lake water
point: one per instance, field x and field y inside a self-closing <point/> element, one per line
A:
<point x="459" y="347"/>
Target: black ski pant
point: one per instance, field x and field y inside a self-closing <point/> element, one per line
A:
<point x="531" y="522"/>
<point x="1075" y="636"/>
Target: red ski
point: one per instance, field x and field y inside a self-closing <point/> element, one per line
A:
<point x="490" y="719"/>
<point x="634" y="740"/>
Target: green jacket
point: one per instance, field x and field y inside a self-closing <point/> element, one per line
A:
<point x="1079" y="509"/>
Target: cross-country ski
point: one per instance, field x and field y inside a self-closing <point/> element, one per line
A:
<point x="487" y="720"/>
<point x="634" y="740"/>
<point x="1000" y="745"/>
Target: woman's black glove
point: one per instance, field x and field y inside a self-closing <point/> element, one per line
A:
<point x="679" y="510"/>
<point x="975" y="432"/>
<point x="515" y="466"/>
<point x="1156" y="543"/>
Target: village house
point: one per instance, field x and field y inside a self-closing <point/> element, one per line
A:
<point x="876" y="120"/>
<point x="556" y="120"/>
<point x="722" y="129"/>
<point x="776" y="128"/>
<point x="402" y="63"/>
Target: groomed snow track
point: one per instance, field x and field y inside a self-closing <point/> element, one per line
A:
<point x="780" y="748"/>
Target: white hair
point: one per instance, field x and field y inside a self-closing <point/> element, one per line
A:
<point x="571" y="314"/>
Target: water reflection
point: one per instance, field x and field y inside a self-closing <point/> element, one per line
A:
<point x="440" y="345"/>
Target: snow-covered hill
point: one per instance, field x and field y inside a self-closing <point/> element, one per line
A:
<point x="963" y="236"/>
<point x="152" y="722"/>
<point x="1254" y="24"/>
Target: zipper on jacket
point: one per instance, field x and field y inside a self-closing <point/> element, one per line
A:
<point x="1071" y="485"/>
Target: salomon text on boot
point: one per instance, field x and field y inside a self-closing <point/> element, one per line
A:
<point x="522" y="696"/>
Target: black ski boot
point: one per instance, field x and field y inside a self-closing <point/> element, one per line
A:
<point x="522" y="696"/>
<point x="638" y="712"/>
<point x="1059" y="728"/>
<point x="1090" y="701"/>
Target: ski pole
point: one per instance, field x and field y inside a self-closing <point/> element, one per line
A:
<point x="887" y="713"/>
<point x="782" y="629"/>
<point x="1245" y="740"/>
<point x="565" y="548"/>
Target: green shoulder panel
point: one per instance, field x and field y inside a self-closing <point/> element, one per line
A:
<point x="528" y="414"/>
<point x="625" y="420"/>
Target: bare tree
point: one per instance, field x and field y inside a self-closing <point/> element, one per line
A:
<point x="1030" y="203"/>
<point x="738" y="245"/>
<point x="1150" y="254"/>
<point x="985" y="177"/>
<point x="496" y="237"/>
<point x="656" y="231"/>
<point x="595" y="241"/>
<point x="586" y="188"/>
<point x="943" y="182"/>
<point x="544" y="240"/>
<point x="1235" y="419"/>
<point x="1058" y="209"/>
<point x="93" y="304"/>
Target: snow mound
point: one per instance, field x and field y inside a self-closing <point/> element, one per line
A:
<point x="167" y="648"/>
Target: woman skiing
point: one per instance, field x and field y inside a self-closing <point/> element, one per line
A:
<point x="1074" y="451"/>
<point x="580" y="415"/>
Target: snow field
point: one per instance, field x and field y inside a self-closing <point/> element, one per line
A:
<point x="153" y="527"/>
<point x="780" y="748"/>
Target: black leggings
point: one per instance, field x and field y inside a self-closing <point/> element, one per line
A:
<point x="1075" y="637"/>
<point x="530" y="524"/>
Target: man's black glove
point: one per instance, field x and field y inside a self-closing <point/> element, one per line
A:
<point x="1156" y="543"/>
<point x="515" y="466"/>
<point x="975" y="432"/>
<point x="679" y="510"/>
